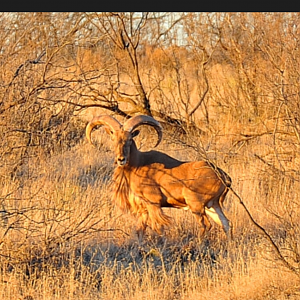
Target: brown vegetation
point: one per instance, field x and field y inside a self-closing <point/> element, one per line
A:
<point x="225" y="86"/>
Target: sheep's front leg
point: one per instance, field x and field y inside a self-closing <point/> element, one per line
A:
<point x="142" y="225"/>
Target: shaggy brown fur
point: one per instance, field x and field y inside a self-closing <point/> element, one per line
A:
<point x="144" y="182"/>
<point x="148" y="213"/>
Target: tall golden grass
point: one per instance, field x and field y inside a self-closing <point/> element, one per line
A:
<point x="64" y="239"/>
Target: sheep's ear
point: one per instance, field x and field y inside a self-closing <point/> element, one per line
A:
<point x="108" y="131"/>
<point x="135" y="133"/>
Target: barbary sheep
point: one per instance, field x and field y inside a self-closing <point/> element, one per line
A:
<point x="145" y="182"/>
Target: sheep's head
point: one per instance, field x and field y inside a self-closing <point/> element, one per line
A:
<point x="123" y="135"/>
<point x="122" y="142"/>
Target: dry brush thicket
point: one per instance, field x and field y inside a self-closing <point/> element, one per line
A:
<point x="225" y="88"/>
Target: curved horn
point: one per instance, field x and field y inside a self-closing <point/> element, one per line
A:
<point x="136" y="121"/>
<point x="109" y="121"/>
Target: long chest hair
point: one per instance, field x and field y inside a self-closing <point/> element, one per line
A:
<point x="129" y="201"/>
<point x="121" y="189"/>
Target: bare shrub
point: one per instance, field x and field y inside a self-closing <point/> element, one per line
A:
<point x="225" y="86"/>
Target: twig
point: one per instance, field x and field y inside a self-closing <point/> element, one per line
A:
<point x="266" y="234"/>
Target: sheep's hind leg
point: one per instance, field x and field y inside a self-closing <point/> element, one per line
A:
<point x="216" y="213"/>
<point x="202" y="221"/>
<point x="195" y="204"/>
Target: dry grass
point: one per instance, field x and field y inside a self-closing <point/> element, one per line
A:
<point x="61" y="236"/>
<point x="64" y="239"/>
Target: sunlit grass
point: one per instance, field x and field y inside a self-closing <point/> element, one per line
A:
<point x="64" y="239"/>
